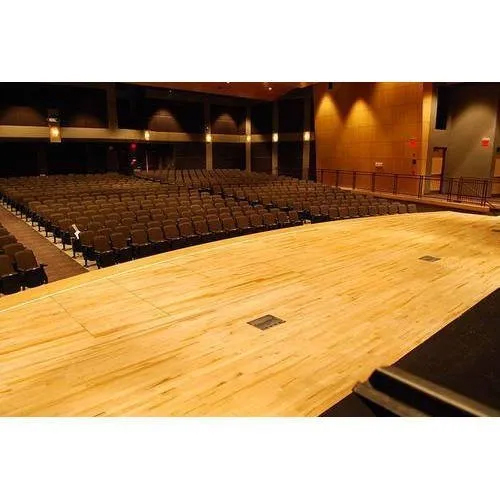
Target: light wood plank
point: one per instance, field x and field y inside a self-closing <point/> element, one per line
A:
<point x="168" y="335"/>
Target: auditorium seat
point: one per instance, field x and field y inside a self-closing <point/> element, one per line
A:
<point x="7" y="240"/>
<point x="121" y="250"/>
<point x="215" y="227"/>
<point x="10" y="280"/>
<point x="333" y="213"/>
<point x="353" y="211"/>
<point x="229" y="227"/>
<point x="383" y="209"/>
<point x="243" y="224"/>
<point x="412" y="208"/>
<point x="269" y="221"/>
<point x="11" y="249"/>
<point x="393" y="209"/>
<point x="140" y="244"/>
<point x="402" y="208"/>
<point x="363" y="210"/>
<point x="173" y="237"/>
<point x="157" y="240"/>
<point x="283" y="219"/>
<point x="104" y="255"/>
<point x="201" y="229"/>
<point x="294" y="218"/>
<point x="187" y="232"/>
<point x="343" y="212"/>
<point x="32" y="273"/>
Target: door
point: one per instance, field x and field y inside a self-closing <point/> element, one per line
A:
<point x="437" y="170"/>
<point x="495" y="187"/>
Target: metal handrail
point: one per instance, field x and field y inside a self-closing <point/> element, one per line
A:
<point x="453" y="189"/>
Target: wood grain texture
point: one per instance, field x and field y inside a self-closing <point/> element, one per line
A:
<point x="168" y="335"/>
<point x="358" y="124"/>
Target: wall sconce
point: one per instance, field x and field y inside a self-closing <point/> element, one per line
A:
<point x="208" y="137"/>
<point x="307" y="136"/>
<point x="147" y="135"/>
<point x="275" y="137"/>
<point x="54" y="133"/>
<point x="54" y="127"/>
<point x="249" y="138"/>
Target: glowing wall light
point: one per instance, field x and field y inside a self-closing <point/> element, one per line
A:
<point x="208" y="137"/>
<point x="249" y="138"/>
<point x="54" y="133"/>
<point x="147" y="135"/>
<point x="275" y="137"/>
<point x="307" y="136"/>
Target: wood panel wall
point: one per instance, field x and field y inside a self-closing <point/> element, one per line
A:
<point x="359" y="124"/>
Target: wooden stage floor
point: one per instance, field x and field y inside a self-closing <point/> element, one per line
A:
<point x="168" y="335"/>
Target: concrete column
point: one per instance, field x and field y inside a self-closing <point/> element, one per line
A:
<point x="275" y="144"/>
<point x="248" y="145"/>
<point x="306" y="145"/>
<point x="111" y="106"/>
<point x="208" y="130"/>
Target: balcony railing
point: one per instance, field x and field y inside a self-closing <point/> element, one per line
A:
<point x="459" y="190"/>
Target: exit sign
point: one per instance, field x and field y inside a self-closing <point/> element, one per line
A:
<point x="485" y="142"/>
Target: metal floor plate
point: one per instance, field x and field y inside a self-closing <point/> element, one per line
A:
<point x="265" y="322"/>
<point x="430" y="258"/>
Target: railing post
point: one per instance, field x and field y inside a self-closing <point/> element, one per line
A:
<point x="460" y="187"/>
<point x="395" y="184"/>
<point x="373" y="182"/>
<point x="420" y="185"/>
<point x="354" y="179"/>
<point x="450" y="185"/>
<point x="484" y="194"/>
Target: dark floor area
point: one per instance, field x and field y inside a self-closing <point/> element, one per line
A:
<point x="464" y="356"/>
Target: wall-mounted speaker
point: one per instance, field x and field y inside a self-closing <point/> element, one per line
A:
<point x="330" y="85"/>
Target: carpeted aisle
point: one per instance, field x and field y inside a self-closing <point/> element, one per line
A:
<point x="59" y="265"/>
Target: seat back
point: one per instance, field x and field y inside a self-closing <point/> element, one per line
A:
<point x="87" y="238"/>
<point x="200" y="226"/>
<point x="139" y="237"/>
<point x="118" y="240"/>
<point x="25" y="260"/>
<point x="228" y="224"/>
<point x="101" y="244"/>
<point x="6" y="266"/>
<point x="256" y="220"/>
<point x="214" y="225"/>
<point x="155" y="234"/>
<point x="186" y="229"/>
<point x="170" y="231"/>
<point x="11" y="249"/>
<point x="7" y="240"/>
<point x="242" y="221"/>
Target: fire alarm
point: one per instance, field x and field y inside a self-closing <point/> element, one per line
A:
<point x="485" y="142"/>
<point x="413" y="142"/>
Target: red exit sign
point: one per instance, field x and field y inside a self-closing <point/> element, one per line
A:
<point x="485" y="142"/>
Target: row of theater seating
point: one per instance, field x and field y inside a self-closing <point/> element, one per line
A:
<point x="18" y="265"/>
<point x="142" y="207"/>
<point x="111" y="246"/>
